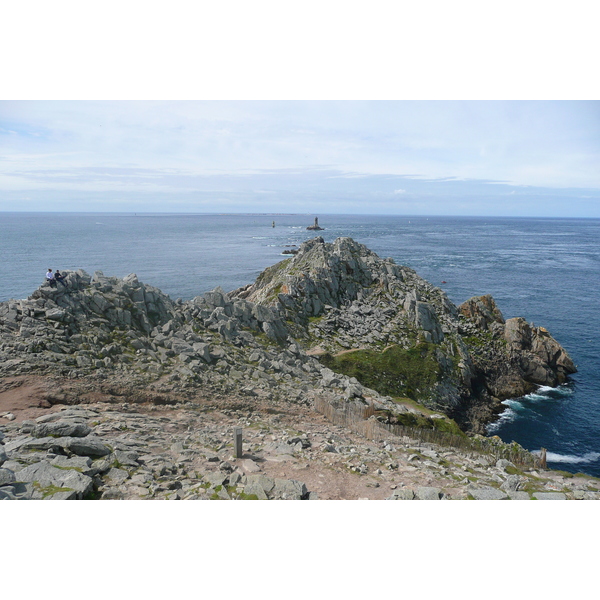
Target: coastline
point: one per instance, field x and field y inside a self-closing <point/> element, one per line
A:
<point x="104" y="342"/>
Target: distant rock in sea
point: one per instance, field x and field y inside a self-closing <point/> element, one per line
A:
<point x="315" y="227"/>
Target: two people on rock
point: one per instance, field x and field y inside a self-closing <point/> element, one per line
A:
<point x="52" y="278"/>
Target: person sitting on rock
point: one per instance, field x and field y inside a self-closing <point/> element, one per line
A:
<point x="50" y="278"/>
<point x="58" y="276"/>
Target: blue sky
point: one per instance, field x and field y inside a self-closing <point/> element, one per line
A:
<point x="508" y="158"/>
<point x="431" y="108"/>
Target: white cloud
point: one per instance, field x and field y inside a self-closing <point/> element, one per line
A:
<point x="312" y="147"/>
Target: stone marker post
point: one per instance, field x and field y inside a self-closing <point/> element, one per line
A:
<point x="237" y="442"/>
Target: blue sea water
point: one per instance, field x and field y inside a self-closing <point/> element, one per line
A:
<point x="545" y="270"/>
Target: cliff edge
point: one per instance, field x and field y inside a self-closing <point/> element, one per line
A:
<point x="394" y="331"/>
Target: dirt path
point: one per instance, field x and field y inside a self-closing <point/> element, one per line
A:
<point x="24" y="397"/>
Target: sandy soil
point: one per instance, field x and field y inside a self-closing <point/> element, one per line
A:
<point x="25" y="397"/>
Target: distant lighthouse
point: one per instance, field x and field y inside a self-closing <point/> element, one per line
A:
<point x="315" y="227"/>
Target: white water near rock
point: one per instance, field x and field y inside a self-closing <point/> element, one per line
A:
<point x="553" y="457"/>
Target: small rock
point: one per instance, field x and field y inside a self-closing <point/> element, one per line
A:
<point x="503" y="464"/>
<point x="249" y="466"/>
<point x="116" y="476"/>
<point x="403" y="494"/>
<point x="6" y="477"/>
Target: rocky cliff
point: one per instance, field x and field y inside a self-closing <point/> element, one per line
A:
<point x="398" y="333"/>
<point x="335" y="328"/>
<point x="378" y="330"/>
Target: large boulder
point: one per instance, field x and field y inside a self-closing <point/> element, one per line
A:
<point x="543" y="359"/>
<point x="60" y="429"/>
<point x="482" y="311"/>
<point x="56" y="483"/>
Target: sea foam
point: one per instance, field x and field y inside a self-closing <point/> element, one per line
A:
<point x="588" y="457"/>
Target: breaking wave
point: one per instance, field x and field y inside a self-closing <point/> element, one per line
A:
<point x="524" y="407"/>
<point x="545" y="392"/>
<point x="588" y="457"/>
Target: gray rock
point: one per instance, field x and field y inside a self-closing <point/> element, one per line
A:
<point x="61" y="429"/>
<point x="279" y="448"/>
<point x="583" y="495"/>
<point x="116" y="476"/>
<point x="519" y="496"/>
<point x="113" y="494"/>
<point x="18" y="491"/>
<point x="249" y="466"/>
<point x="177" y="447"/>
<point x="488" y="493"/>
<point x="235" y="478"/>
<point x="266" y="483"/>
<point x="127" y="458"/>
<point x="102" y="465"/>
<point x="402" y="494"/>
<point x="215" y="479"/>
<point x="6" y="477"/>
<point x="503" y="463"/>
<point x="83" y="464"/>
<point x="48" y="478"/>
<point x="7" y="493"/>
<point x="325" y="447"/>
<point x="70" y="414"/>
<point x="28" y="444"/>
<point x="256" y="490"/>
<point x="55" y="314"/>
<point x="202" y="350"/>
<point x="428" y="493"/>
<point x="3" y="455"/>
<point x="512" y="483"/>
<point x="13" y="465"/>
<point x="426" y="319"/>
<point x="88" y="446"/>
<point x="289" y="489"/>
<point x="549" y="496"/>
<point x="223" y="494"/>
<point x="226" y="467"/>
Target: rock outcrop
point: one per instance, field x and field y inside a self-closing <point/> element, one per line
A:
<point x="342" y="296"/>
<point x="335" y="323"/>
<point x="315" y="227"/>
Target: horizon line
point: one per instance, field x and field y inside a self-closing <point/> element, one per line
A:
<point x="299" y="214"/>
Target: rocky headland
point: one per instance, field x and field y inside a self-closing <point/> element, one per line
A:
<point x="350" y="376"/>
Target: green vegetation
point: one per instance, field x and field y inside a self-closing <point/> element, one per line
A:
<point x="396" y="372"/>
<point x="269" y="273"/>
<point x="50" y="490"/>
<point x="78" y="469"/>
<point x="420" y="421"/>
<point x="233" y="493"/>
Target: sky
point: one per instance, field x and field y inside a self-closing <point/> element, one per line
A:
<point x="505" y="158"/>
<point x="323" y="107"/>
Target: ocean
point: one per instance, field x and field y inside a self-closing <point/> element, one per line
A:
<point x="545" y="270"/>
